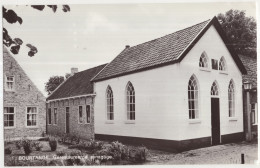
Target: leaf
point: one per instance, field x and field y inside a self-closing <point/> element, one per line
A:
<point x="33" y="50"/>
<point x="15" y="49"/>
<point x="7" y="40"/>
<point x="10" y="16"/>
<point x="18" y="41"/>
<point x="54" y="7"/>
<point x="19" y="19"/>
<point x="38" y="7"/>
<point x="66" y="8"/>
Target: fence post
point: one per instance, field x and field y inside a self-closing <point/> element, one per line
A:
<point x="242" y="158"/>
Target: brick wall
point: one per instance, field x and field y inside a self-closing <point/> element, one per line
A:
<point x="25" y="95"/>
<point x="84" y="130"/>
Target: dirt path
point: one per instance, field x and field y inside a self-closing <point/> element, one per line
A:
<point x="221" y="154"/>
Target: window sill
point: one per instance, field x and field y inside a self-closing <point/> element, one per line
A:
<point x="194" y="121"/>
<point x="130" y="122"/>
<point x="205" y="69"/>
<point x="9" y="127"/>
<point x="109" y="122"/>
<point x="232" y="119"/>
<point x="32" y="127"/>
<point x="255" y="124"/>
<point x="223" y="72"/>
<point x="87" y="123"/>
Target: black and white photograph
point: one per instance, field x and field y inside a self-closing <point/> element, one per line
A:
<point x="136" y="83"/>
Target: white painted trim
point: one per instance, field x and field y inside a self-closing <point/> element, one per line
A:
<point x="129" y="121"/>
<point x="5" y="83"/>
<point x="223" y="72"/>
<point x="72" y="97"/>
<point x="194" y="121"/>
<point x="109" y="122"/>
<point x="205" y="69"/>
<point x="13" y="127"/>
<point x="232" y="118"/>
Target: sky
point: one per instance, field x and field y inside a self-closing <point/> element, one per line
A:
<point x="93" y="34"/>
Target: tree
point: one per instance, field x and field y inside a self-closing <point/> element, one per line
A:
<point x="240" y="30"/>
<point x="11" y="17"/>
<point x="53" y="83"/>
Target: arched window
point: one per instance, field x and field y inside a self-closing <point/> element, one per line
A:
<point x="222" y="64"/>
<point x="203" y="60"/>
<point x="193" y="94"/>
<point x="110" y="104"/>
<point x="130" y="97"/>
<point x="231" y="99"/>
<point x="214" y="89"/>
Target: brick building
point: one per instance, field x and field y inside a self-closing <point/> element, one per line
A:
<point x="251" y="76"/>
<point x="70" y="108"/>
<point x="24" y="104"/>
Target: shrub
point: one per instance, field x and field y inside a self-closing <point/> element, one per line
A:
<point x="74" y="161"/>
<point x="60" y="153"/>
<point x="141" y="154"/>
<point x="27" y="146"/>
<point x="94" y="145"/>
<point x="53" y="144"/>
<point x="8" y="151"/>
<point x="37" y="145"/>
<point x="18" y="144"/>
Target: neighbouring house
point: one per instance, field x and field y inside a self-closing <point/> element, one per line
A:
<point x="251" y="76"/>
<point x="70" y="107"/>
<point x="24" y="105"/>
<point x="177" y="92"/>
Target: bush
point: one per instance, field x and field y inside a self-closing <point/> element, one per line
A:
<point x="8" y="151"/>
<point x="27" y="146"/>
<point x="18" y="144"/>
<point x="94" y="145"/>
<point x="60" y="153"/>
<point x="141" y="154"/>
<point x="37" y="145"/>
<point x="74" y="161"/>
<point x="53" y="144"/>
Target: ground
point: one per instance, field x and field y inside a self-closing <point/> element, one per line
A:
<point x="220" y="154"/>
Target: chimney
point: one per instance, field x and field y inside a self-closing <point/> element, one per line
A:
<point x="127" y="46"/>
<point x="73" y="71"/>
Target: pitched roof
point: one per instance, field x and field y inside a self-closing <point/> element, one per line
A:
<point x="162" y="51"/>
<point x="251" y="67"/>
<point x="76" y="85"/>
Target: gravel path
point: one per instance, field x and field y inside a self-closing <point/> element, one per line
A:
<point x="221" y="154"/>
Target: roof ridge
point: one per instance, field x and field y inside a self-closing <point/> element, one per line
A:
<point x="208" y="20"/>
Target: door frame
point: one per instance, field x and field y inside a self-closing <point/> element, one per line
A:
<point x="220" y="139"/>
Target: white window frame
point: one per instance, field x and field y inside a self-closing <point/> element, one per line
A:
<point x="49" y="115"/>
<point x="222" y="63"/>
<point x="10" y="127"/>
<point x="37" y="114"/>
<point x="82" y="118"/>
<point x="206" y="61"/>
<point x="195" y="91"/>
<point x="110" y="104"/>
<point x="86" y="122"/>
<point x="231" y="99"/>
<point x="55" y="116"/>
<point x="8" y="81"/>
<point x="129" y="103"/>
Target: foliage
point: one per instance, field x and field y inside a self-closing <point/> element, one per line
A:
<point x="53" y="83"/>
<point x="18" y="144"/>
<point x="11" y="17"/>
<point x="94" y="145"/>
<point x="240" y="30"/>
<point x="37" y="145"/>
<point x="8" y="151"/>
<point x="27" y="146"/>
<point x="60" y="153"/>
<point x="141" y="154"/>
<point x="53" y="144"/>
